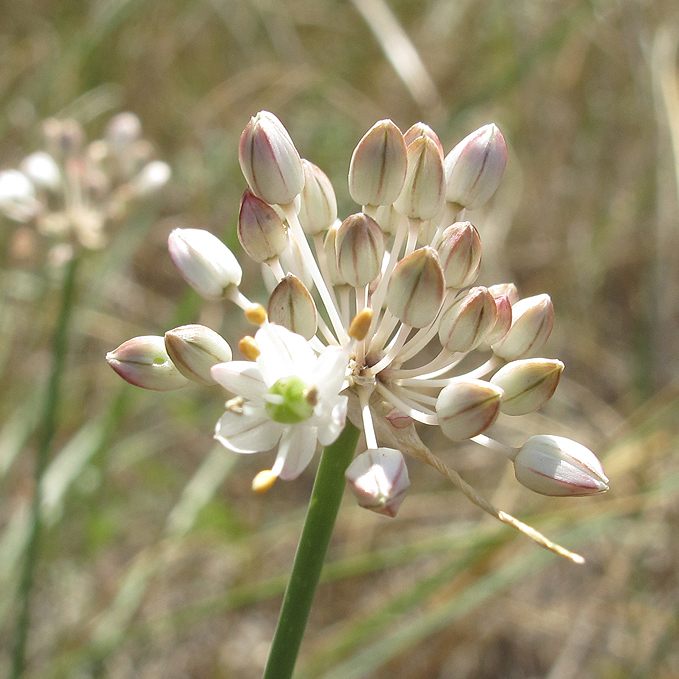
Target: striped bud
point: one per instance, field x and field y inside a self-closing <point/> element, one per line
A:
<point x="554" y="465"/>
<point x="421" y="130"/>
<point x="460" y="252"/>
<point x="475" y="167"/>
<point x="378" y="165"/>
<point x="206" y="264"/>
<point x="466" y="407"/>
<point x="360" y="247"/>
<point x="422" y="193"/>
<point x="261" y="231"/>
<point x="269" y="160"/>
<point x="508" y="289"/>
<point x="503" y="320"/>
<point x="144" y="362"/>
<point x="379" y="480"/>
<point x="318" y="209"/>
<point x="465" y="325"/>
<point x="528" y="384"/>
<point x="194" y="349"/>
<point x="532" y="323"/>
<point x="416" y="288"/>
<point x="292" y="306"/>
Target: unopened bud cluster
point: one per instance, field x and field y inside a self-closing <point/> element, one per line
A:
<point x="71" y="189"/>
<point x="356" y="307"/>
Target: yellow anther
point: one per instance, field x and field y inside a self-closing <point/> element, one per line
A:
<point x="263" y="481"/>
<point x="359" y="327"/>
<point x="256" y="314"/>
<point x="235" y="405"/>
<point x="248" y="347"/>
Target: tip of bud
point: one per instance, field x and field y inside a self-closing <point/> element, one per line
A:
<point x="263" y="481"/>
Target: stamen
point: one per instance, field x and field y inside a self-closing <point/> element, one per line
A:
<point x="248" y="347"/>
<point x="263" y="481"/>
<point x="256" y="314"/>
<point x="418" y="413"/>
<point x="235" y="405"/>
<point x="358" y="329"/>
<point x="312" y="396"/>
<point x="393" y="351"/>
<point x="368" y="426"/>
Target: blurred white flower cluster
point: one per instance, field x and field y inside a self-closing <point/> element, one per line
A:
<point x="368" y="317"/>
<point x="72" y="188"/>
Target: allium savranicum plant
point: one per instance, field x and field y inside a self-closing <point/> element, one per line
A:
<point x="354" y="308"/>
<point x="72" y="189"/>
<point x="345" y="341"/>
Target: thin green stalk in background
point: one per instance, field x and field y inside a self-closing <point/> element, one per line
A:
<point x="47" y="430"/>
<point x="313" y="545"/>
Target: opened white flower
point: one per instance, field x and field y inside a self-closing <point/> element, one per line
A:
<point x="288" y="396"/>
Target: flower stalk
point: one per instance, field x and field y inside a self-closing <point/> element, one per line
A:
<point x="313" y="545"/>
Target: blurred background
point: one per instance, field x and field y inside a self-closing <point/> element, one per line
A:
<point x="156" y="559"/>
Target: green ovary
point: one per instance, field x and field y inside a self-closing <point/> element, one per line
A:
<point x="293" y="407"/>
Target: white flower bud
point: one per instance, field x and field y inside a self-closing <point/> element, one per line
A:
<point x="532" y="324"/>
<point x="466" y="407"/>
<point x="379" y="480"/>
<point x="122" y="131"/>
<point x="261" y="231"/>
<point x="318" y="209"/>
<point x="194" y="349"/>
<point x="528" y="384"/>
<point x="503" y="320"/>
<point x="460" y="252"/>
<point x="151" y="177"/>
<point x="378" y="165"/>
<point x="416" y="288"/>
<point x="17" y="196"/>
<point x="465" y="325"/>
<point x="475" y="167"/>
<point x="42" y="170"/>
<point x="144" y="362"/>
<point x="508" y="289"/>
<point x="389" y="219"/>
<point x="422" y="193"/>
<point x="206" y="264"/>
<point x="269" y="160"/>
<point x="330" y="249"/>
<point x="292" y="306"/>
<point x="554" y="465"/>
<point x="360" y="248"/>
<point x="421" y="130"/>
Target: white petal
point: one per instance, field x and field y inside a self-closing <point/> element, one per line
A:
<point x="331" y="424"/>
<point x="250" y="432"/>
<point x="240" y="377"/>
<point x="283" y="353"/>
<point x="297" y="447"/>
<point x="330" y="370"/>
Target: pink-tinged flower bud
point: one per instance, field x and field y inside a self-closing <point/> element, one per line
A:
<point x="144" y="362"/>
<point x="554" y="465"/>
<point x="466" y="407"/>
<point x="422" y="193"/>
<point x="528" y="384"/>
<point x="465" y="325"/>
<point x="360" y="247"/>
<point x="422" y="130"/>
<point x="318" y="209"/>
<point x="261" y="231"/>
<point x="532" y="323"/>
<point x="378" y="165"/>
<point x="151" y="177"/>
<point x="508" y="289"/>
<point x="206" y="264"/>
<point x="389" y="220"/>
<point x="194" y="349"/>
<point x="292" y="306"/>
<point x="416" y="288"/>
<point x="269" y="160"/>
<point x="17" y="196"/>
<point x="379" y="480"/>
<point x="475" y="167"/>
<point x="42" y="170"/>
<point x="503" y="320"/>
<point x="460" y="252"/>
<point x="330" y="249"/>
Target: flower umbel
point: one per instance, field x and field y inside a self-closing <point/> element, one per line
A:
<point x="357" y="308"/>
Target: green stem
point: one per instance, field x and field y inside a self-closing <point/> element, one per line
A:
<point x="48" y="428"/>
<point x="313" y="545"/>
